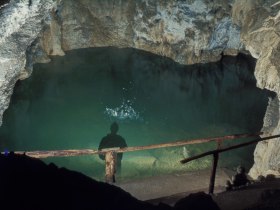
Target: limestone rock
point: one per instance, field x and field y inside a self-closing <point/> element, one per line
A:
<point x="20" y="24"/>
<point x="188" y="32"/>
<point x="260" y="22"/>
<point x="271" y="117"/>
<point x="51" y="37"/>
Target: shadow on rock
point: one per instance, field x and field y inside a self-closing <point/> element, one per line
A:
<point x="28" y="183"/>
<point x="270" y="200"/>
<point x="198" y="201"/>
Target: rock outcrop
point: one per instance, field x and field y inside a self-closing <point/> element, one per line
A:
<point x="35" y="185"/>
<point x="188" y="32"/>
<point x="260" y="23"/>
<point x="20" y="25"/>
<point x="29" y="183"/>
<point x="191" y="31"/>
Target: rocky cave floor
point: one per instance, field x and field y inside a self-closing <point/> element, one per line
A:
<point x="28" y="183"/>
<point x="257" y="196"/>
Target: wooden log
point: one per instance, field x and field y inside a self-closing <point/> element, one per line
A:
<point x="215" y="154"/>
<point x="59" y="153"/>
<point x="79" y="152"/>
<point x="228" y="148"/>
<point x="187" y="142"/>
<point x="110" y="170"/>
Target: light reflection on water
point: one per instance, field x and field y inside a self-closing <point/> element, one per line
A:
<point x="124" y="112"/>
<point x="70" y="103"/>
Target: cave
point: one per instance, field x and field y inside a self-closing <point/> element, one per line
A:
<point x="70" y="102"/>
<point x="168" y="70"/>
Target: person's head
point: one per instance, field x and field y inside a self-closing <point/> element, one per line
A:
<point x="114" y="128"/>
<point x="240" y="170"/>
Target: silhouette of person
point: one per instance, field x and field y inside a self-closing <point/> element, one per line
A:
<point x="113" y="140"/>
<point x="238" y="180"/>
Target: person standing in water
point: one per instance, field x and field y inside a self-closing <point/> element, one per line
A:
<point x="113" y="140"/>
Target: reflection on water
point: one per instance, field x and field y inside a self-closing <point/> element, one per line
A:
<point x="124" y="112"/>
<point x="71" y="102"/>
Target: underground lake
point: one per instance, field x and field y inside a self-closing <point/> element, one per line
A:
<point x="70" y="103"/>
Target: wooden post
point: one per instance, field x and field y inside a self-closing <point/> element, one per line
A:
<point x="110" y="170"/>
<point x="213" y="173"/>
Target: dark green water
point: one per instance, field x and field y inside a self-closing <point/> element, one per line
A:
<point x="70" y="103"/>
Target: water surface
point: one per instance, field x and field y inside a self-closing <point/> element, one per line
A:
<point x="70" y="103"/>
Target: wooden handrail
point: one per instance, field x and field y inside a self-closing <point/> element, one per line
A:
<point x="111" y="157"/>
<point x="59" y="153"/>
<point x="79" y="152"/>
<point x="187" y="142"/>
<point x="216" y="153"/>
<point x="228" y="148"/>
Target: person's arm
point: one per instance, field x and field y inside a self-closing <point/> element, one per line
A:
<point x="123" y="143"/>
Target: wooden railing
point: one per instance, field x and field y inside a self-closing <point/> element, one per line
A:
<point x="111" y="157"/>
<point x="216" y="153"/>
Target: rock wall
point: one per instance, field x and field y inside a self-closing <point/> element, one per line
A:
<point x="260" y="23"/>
<point x="186" y="31"/>
<point x="20" y="25"/>
<point x="190" y="31"/>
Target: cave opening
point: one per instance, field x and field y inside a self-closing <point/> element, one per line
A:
<point x="70" y="103"/>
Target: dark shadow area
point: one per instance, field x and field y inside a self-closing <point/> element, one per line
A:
<point x="28" y="183"/>
<point x="112" y="140"/>
<point x="2" y="2"/>
<point x="270" y="200"/>
<point x="259" y="195"/>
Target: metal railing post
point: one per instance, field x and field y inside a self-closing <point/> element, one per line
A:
<point x="110" y="166"/>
